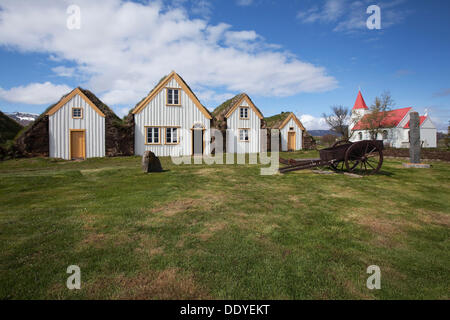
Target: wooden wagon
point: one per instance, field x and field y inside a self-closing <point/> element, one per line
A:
<point x="362" y="157"/>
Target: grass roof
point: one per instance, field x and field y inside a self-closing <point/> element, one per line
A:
<point x="274" y="122"/>
<point x="227" y="105"/>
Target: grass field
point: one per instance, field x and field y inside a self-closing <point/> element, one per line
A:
<point x="221" y="232"/>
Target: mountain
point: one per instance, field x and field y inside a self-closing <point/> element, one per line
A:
<point x="23" y="118"/>
<point x="321" y="133"/>
<point x="8" y="128"/>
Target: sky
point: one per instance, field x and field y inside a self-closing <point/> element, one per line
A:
<point x="302" y="56"/>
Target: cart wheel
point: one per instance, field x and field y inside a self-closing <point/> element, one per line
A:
<point x="363" y="158"/>
<point x="338" y="166"/>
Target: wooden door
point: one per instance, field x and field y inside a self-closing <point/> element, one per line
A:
<point x="77" y="145"/>
<point x="291" y="141"/>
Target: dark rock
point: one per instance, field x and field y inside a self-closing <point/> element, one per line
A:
<point x="150" y="162"/>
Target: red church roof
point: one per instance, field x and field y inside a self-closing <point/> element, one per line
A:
<point x="391" y="120"/>
<point x="360" y="103"/>
<point x="422" y="119"/>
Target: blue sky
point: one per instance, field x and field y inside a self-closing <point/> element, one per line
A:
<point x="301" y="56"/>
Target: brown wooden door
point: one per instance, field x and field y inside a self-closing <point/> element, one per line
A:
<point x="77" y="144"/>
<point x="291" y="141"/>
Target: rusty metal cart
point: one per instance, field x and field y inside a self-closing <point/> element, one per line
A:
<point x="362" y="157"/>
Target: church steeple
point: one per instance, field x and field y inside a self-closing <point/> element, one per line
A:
<point x="360" y="103"/>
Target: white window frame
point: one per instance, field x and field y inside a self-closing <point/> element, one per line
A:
<point x="244" y="135"/>
<point x="81" y="113"/>
<point x="158" y="129"/>
<point x="177" y="135"/>
<point x="243" y="113"/>
<point x="171" y="97"/>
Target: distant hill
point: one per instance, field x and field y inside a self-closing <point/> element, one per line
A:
<point x="321" y="133"/>
<point x="23" y="118"/>
<point x="8" y="128"/>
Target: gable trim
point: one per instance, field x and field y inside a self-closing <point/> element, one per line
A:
<point x="74" y="92"/>
<point x="250" y="103"/>
<point x="162" y="85"/>
<point x="292" y="116"/>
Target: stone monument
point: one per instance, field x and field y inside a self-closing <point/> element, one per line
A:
<point x="151" y="163"/>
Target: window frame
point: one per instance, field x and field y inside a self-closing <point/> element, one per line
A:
<point x="146" y="136"/>
<point x="177" y="132"/>
<point x="248" y="134"/>
<point x="173" y="95"/>
<point x="81" y="113"/>
<point x="244" y="117"/>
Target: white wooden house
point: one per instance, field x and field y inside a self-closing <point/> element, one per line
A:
<point x="394" y="129"/>
<point x="291" y="130"/>
<point x="76" y="127"/>
<point x="171" y="121"/>
<point x="242" y="119"/>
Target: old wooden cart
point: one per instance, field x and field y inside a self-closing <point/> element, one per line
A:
<point x="362" y="157"/>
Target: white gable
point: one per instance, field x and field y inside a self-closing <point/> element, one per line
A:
<point x="156" y="113"/>
<point x="61" y="122"/>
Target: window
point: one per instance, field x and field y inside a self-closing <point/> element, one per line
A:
<point x="243" y="113"/>
<point x="243" y="135"/>
<point x="171" y="135"/>
<point x="385" y="135"/>
<point x="291" y="129"/>
<point x="153" y="135"/>
<point x="173" y="97"/>
<point x="77" y="113"/>
<point x="360" y="137"/>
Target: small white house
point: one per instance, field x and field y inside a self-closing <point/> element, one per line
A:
<point x="243" y="124"/>
<point x="171" y="121"/>
<point x="395" y="126"/>
<point x="291" y="130"/>
<point x="76" y="127"/>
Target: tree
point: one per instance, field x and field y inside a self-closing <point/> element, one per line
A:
<point x="328" y="139"/>
<point x="377" y="117"/>
<point x="338" y="120"/>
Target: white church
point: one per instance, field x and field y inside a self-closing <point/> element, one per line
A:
<point x="395" y="131"/>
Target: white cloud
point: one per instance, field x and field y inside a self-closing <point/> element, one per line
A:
<point x="244" y="3"/>
<point x="313" y="123"/>
<point x="121" y="112"/>
<point x="64" y="71"/>
<point x="123" y="48"/>
<point x="350" y="16"/>
<point x="330" y="11"/>
<point x="35" y="93"/>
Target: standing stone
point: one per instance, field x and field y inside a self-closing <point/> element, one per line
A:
<point x="150" y="162"/>
<point x="414" y="137"/>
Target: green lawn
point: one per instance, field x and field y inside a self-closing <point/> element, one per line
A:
<point x="221" y="232"/>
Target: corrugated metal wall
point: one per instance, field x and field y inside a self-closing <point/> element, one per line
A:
<point x="298" y="136"/>
<point x="233" y="125"/>
<point x="156" y="113"/>
<point x="61" y="122"/>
